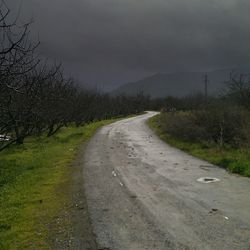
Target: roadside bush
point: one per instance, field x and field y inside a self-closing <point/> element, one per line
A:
<point x="221" y="124"/>
<point x="225" y="124"/>
<point x="182" y="125"/>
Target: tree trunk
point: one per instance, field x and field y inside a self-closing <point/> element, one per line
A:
<point x="51" y="129"/>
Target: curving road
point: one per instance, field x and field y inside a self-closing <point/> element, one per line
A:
<point x="144" y="194"/>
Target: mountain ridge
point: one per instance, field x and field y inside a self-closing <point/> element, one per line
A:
<point x="178" y="83"/>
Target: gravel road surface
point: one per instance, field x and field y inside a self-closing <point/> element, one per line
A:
<point x="144" y="194"/>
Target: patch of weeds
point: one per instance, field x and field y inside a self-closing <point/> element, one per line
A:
<point x="240" y="167"/>
<point x="4" y="227"/>
<point x="225" y="162"/>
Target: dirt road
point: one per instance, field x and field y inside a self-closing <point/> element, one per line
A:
<point x="144" y="194"/>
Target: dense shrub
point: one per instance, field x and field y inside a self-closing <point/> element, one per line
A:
<point x="225" y="124"/>
<point x="182" y="125"/>
<point x="220" y="123"/>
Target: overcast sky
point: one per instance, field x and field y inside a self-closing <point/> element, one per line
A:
<point x="109" y="42"/>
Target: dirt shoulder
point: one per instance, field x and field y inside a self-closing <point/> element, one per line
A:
<point x="82" y="232"/>
<point x="72" y="229"/>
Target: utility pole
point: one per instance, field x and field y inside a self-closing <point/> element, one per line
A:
<point x="231" y="76"/>
<point x="206" y="87"/>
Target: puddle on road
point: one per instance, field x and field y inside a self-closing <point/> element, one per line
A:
<point x="208" y="179"/>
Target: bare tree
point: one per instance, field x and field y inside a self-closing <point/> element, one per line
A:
<point x="238" y="90"/>
<point x="16" y="60"/>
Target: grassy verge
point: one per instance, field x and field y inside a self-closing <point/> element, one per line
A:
<point x="32" y="177"/>
<point x="235" y="160"/>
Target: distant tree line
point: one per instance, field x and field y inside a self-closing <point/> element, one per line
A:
<point x="236" y="92"/>
<point x="37" y="98"/>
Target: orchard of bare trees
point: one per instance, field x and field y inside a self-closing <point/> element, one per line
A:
<point x="36" y="98"/>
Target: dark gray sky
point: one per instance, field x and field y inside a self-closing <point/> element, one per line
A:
<point x="109" y="42"/>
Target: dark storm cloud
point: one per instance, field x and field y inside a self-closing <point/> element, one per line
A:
<point x="116" y="40"/>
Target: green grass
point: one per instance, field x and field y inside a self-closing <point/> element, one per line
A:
<point x="32" y="179"/>
<point x="235" y="160"/>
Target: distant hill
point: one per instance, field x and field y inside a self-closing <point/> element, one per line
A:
<point x="176" y="84"/>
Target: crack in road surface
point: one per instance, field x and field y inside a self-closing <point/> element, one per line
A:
<point x="144" y="194"/>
